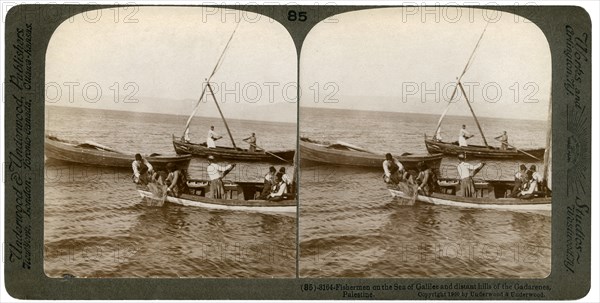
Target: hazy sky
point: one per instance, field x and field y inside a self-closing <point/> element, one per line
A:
<point x="405" y="60"/>
<point x="166" y="55"/>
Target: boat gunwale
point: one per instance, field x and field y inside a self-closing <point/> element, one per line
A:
<point x="366" y="155"/>
<point x="477" y="202"/>
<point x="277" y="208"/>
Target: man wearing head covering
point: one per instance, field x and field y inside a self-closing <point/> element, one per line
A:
<point x="279" y="189"/>
<point x="503" y="140"/>
<point x="215" y="174"/>
<point x="537" y="177"/>
<point x="284" y="177"/>
<point x="520" y="179"/>
<point x="463" y="136"/>
<point x="529" y="187"/>
<point x="252" y="141"/>
<point x="212" y="137"/>
<point x="465" y="174"/>
<point x="393" y="171"/>
<point x="269" y="181"/>
<point x="142" y="170"/>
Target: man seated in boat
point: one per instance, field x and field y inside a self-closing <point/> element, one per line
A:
<point x="212" y="137"/>
<point x="463" y="136"/>
<point x="279" y="189"/>
<point x="269" y="181"/>
<point x="285" y="178"/>
<point x="216" y="174"/>
<point x="466" y="172"/>
<point x="142" y="170"/>
<point x="393" y="171"/>
<point x="520" y="179"/>
<point x="537" y="176"/>
<point x="176" y="181"/>
<point x="252" y="142"/>
<point x="529" y="187"/>
<point x="503" y="140"/>
<point x="426" y="179"/>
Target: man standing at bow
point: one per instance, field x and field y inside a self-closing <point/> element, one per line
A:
<point x="212" y="137"/>
<point x="463" y="136"/>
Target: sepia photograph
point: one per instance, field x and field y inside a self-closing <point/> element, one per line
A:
<point x="298" y="151"/>
<point x="170" y="145"/>
<point x="425" y="145"/>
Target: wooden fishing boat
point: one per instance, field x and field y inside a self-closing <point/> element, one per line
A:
<point x="94" y="154"/>
<point x="452" y="148"/>
<point x="480" y="151"/>
<point x="239" y="196"/>
<point x="341" y="153"/>
<point x="489" y="195"/>
<point x="183" y="145"/>
<point x="201" y="150"/>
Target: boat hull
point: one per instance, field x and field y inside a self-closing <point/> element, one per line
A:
<point x="536" y="204"/>
<point x="261" y="206"/>
<point x="320" y="153"/>
<point x="71" y="152"/>
<point x="201" y="150"/>
<point x="476" y="151"/>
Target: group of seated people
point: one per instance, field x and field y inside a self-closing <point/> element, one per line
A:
<point x="528" y="182"/>
<point x="276" y="185"/>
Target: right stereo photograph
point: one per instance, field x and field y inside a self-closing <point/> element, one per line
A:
<point x="425" y="145"/>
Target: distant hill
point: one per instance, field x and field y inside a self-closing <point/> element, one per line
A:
<point x="274" y="112"/>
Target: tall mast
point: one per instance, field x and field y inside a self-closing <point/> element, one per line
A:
<point x="220" y="112"/>
<point x="219" y="61"/>
<point x="462" y="89"/>
<point x="460" y="78"/>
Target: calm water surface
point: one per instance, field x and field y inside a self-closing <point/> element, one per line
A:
<point x="96" y="225"/>
<point x="350" y="227"/>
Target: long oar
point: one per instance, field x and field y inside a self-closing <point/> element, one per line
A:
<point x="524" y="152"/>
<point x="272" y="154"/>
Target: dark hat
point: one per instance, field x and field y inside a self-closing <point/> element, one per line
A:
<point x="138" y="157"/>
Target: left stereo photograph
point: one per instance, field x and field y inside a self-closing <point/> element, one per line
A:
<point x="170" y="145"/>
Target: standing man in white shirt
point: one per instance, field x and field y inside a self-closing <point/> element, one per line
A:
<point x="463" y="136"/>
<point x="466" y="172"/>
<point x="212" y="137"/>
<point x="215" y="174"/>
